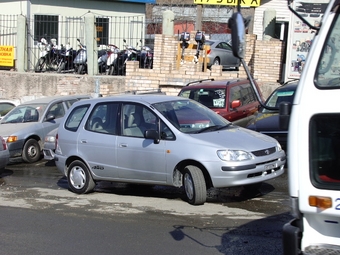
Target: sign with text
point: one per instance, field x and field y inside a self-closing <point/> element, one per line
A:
<point x="6" y="55"/>
<point x="244" y="3"/>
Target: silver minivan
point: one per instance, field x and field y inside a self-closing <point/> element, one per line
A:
<point x="161" y="140"/>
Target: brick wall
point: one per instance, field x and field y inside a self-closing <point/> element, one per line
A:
<point x="264" y="59"/>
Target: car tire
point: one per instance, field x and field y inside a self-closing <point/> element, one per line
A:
<point x="216" y="62"/>
<point x="79" y="178"/>
<point x="194" y="185"/>
<point x="31" y="152"/>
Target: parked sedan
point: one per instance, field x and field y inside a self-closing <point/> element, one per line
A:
<point x="267" y="121"/>
<point x="25" y="126"/>
<point x="6" y="105"/>
<point x="49" y="144"/>
<point x="161" y="140"/>
<point x="220" y="53"/>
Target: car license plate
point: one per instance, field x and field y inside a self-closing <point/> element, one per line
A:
<point x="270" y="166"/>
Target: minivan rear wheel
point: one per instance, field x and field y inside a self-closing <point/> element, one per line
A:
<point x="194" y="185"/>
<point x="79" y="178"/>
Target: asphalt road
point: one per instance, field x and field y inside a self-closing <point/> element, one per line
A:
<point x="39" y="215"/>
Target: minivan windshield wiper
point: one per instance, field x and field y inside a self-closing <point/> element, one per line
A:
<point x="214" y="128"/>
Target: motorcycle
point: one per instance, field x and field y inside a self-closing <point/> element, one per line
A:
<point x="67" y="57"/>
<point x="48" y="56"/>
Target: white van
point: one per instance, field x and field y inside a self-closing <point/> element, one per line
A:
<point x="313" y="136"/>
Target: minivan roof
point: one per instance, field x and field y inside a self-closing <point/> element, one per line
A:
<point x="46" y="100"/>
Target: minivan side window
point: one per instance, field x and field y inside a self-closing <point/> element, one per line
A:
<point x="75" y="117"/>
<point x="136" y="119"/>
<point x="103" y="118"/>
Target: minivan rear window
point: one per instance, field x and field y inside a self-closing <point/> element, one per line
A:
<point x="75" y="117"/>
<point x="324" y="144"/>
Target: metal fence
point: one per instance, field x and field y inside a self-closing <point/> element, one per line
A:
<point x="66" y="30"/>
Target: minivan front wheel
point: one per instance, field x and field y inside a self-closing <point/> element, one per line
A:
<point x="31" y="152"/>
<point x="194" y="185"/>
<point x="79" y="178"/>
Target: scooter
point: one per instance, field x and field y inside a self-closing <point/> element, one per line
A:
<point x="146" y="57"/>
<point x="129" y="54"/>
<point x="48" y="56"/>
<point x="67" y="57"/>
<point x="80" y="61"/>
<point x="112" y="52"/>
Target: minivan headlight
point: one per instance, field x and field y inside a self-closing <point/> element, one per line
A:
<point x="234" y="155"/>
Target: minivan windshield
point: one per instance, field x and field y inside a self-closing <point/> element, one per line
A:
<point x="189" y="116"/>
<point x="24" y="113"/>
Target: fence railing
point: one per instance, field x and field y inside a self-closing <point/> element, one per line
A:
<point x="66" y="30"/>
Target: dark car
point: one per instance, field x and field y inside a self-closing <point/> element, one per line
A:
<point x="234" y="100"/>
<point x="267" y="121"/>
<point x="220" y="53"/>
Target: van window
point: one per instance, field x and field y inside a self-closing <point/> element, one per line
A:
<point x="75" y="117"/>
<point x="103" y="118"/>
<point x="324" y="147"/>
<point x="328" y="71"/>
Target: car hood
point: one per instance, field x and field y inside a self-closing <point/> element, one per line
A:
<point x="265" y="122"/>
<point x="11" y="128"/>
<point x="236" y="138"/>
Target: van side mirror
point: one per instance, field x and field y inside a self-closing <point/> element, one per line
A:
<point x="284" y="114"/>
<point x="152" y="134"/>
<point x="238" y="34"/>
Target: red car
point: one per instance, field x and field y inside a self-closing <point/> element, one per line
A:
<point x="235" y="100"/>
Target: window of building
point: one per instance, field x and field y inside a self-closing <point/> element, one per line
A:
<point x="45" y="26"/>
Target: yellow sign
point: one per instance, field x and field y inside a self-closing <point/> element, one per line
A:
<point x="7" y="56"/>
<point x="248" y="3"/>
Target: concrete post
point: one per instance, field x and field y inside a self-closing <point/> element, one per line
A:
<point x="91" y="45"/>
<point x="21" y="52"/>
<point x="269" y="20"/>
<point x="168" y="22"/>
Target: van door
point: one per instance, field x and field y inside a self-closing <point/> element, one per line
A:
<point x="97" y="141"/>
<point x="139" y="158"/>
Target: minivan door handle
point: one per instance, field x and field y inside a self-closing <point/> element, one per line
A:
<point x="83" y="141"/>
<point x="123" y="145"/>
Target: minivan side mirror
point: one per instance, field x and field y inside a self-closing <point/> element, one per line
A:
<point x="238" y="35"/>
<point x="152" y="134"/>
<point x="284" y="114"/>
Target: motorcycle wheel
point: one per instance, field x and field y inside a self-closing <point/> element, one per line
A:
<point x="80" y="69"/>
<point x="39" y="66"/>
<point x="111" y="70"/>
<point x="61" y="67"/>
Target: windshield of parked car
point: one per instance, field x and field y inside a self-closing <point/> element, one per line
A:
<point x="189" y="116"/>
<point x="24" y="113"/>
<point x="279" y="96"/>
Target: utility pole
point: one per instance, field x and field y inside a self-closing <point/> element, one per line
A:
<point x="199" y="17"/>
